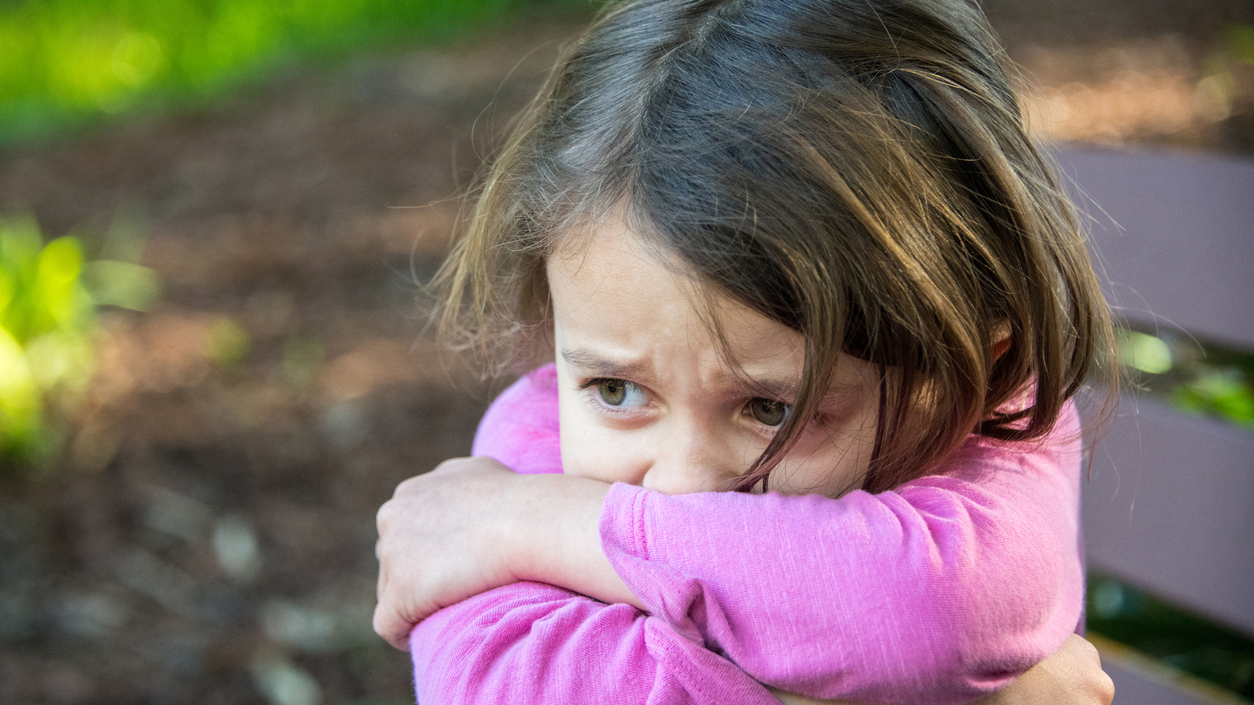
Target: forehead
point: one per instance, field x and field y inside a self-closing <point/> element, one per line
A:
<point x="625" y="308"/>
<point x="613" y="281"/>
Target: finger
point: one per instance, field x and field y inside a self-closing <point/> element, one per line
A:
<point x="388" y="625"/>
<point x="410" y="485"/>
<point x="1090" y="651"/>
<point x="383" y="517"/>
<point x="1105" y="689"/>
<point x="1100" y="683"/>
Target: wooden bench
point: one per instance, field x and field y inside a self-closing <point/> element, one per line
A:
<point x="1170" y="507"/>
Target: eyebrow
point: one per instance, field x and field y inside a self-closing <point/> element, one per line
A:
<point x="774" y="388"/>
<point x="788" y="389"/>
<point x="602" y="366"/>
<point x="599" y="365"/>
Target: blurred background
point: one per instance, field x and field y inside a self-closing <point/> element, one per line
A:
<point x="215" y="216"/>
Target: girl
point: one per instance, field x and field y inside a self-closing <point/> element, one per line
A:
<point x="799" y="248"/>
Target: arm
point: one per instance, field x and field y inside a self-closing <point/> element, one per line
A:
<point x="528" y="643"/>
<point x="948" y="588"/>
<point x="695" y="607"/>
<point x="940" y="592"/>
<point x="1072" y="674"/>
<point x="934" y="521"/>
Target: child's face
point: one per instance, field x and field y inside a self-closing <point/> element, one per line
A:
<point x="646" y="397"/>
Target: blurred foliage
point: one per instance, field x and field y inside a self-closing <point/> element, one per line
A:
<point x="1239" y="39"/>
<point x="303" y="355"/>
<point x="228" y="343"/>
<point x="48" y="299"/>
<point x="1200" y="379"/>
<point x="1223" y="67"/>
<point x="69" y="61"/>
<point x="1185" y="641"/>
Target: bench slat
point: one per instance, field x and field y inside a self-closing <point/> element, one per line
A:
<point x="1170" y="508"/>
<point x="1185" y="256"/>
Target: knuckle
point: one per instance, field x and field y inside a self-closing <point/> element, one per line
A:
<point x="1106" y="689"/>
<point x="450" y="465"/>
<point x="407" y="486"/>
<point x="385" y="512"/>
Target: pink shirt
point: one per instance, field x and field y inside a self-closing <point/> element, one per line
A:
<point x="937" y="592"/>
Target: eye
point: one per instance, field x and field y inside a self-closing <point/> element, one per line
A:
<point x="613" y="391"/>
<point x="768" y="411"/>
<point x="619" y="392"/>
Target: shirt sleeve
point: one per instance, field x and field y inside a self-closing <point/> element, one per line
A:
<point x="938" y="592"/>
<point x="533" y="644"/>
<point x="520" y="429"/>
<point x="530" y="643"/>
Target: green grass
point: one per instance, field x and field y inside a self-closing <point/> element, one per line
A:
<point x="74" y="62"/>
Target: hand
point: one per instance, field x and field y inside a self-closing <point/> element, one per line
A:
<point x="443" y="537"/>
<point x="1071" y="675"/>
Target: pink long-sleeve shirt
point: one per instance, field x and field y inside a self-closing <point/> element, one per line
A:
<point x="937" y="592"/>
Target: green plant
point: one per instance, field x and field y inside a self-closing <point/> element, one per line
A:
<point x="46" y="318"/>
<point x="1161" y="630"/>
<point x="1195" y="377"/>
<point x="47" y="330"/>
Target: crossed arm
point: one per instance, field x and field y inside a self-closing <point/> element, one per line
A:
<point x="493" y="647"/>
<point x="952" y="586"/>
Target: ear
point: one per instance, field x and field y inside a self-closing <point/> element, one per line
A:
<point x="1001" y="340"/>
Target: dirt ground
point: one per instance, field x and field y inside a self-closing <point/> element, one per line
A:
<point x="208" y="535"/>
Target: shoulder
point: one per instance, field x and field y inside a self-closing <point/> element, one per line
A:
<point x="1049" y="463"/>
<point x="521" y="428"/>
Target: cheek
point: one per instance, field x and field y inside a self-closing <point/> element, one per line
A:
<point x="830" y="463"/>
<point x="590" y="449"/>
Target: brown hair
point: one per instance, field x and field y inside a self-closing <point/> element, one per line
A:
<point x="855" y="169"/>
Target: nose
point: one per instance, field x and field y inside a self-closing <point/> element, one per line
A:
<point x="693" y="457"/>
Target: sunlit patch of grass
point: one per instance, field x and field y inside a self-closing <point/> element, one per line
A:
<point x="67" y="61"/>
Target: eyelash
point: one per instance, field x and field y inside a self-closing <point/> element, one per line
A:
<point x="596" y="400"/>
<point x="600" y="404"/>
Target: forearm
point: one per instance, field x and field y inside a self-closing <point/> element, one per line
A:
<point x="558" y="540"/>
<point x="1072" y="675"/>
<point x="557" y="531"/>
<point x="869" y="597"/>
<point x="531" y="644"/>
<point x="733" y="565"/>
<point x="528" y="644"/>
<point x="455" y="652"/>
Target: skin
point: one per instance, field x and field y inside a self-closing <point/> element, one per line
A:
<point x="647" y="396"/>
<point x="687" y="416"/>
